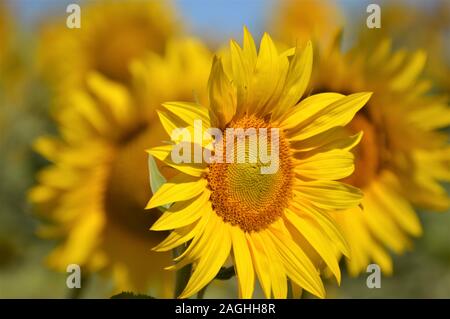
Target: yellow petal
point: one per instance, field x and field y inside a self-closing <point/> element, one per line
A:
<point x="115" y="96"/>
<point x="315" y="236"/>
<point x="87" y="231"/>
<point x="338" y="113"/>
<point x="163" y="153"/>
<point x="383" y="226"/>
<point x="382" y="258"/>
<point x="189" y="112"/>
<point x="337" y="137"/>
<point x="358" y="236"/>
<point x="182" y="213"/>
<point x="297" y="79"/>
<point x="405" y="77"/>
<point x="48" y="147"/>
<point x="332" y="165"/>
<point x="436" y="115"/>
<point x="180" y="236"/>
<point x="398" y="207"/>
<point x="242" y="71"/>
<point x="168" y="122"/>
<point x="345" y="143"/>
<point x="41" y="194"/>
<point x="297" y="291"/>
<point x="171" y="124"/>
<point x="201" y="240"/>
<point x="297" y="265"/>
<point x="276" y="268"/>
<point x="211" y="261"/>
<point x="328" y="225"/>
<point x="178" y="189"/>
<point x="269" y="76"/>
<point x="261" y="263"/>
<point x="249" y="47"/>
<point x="307" y="108"/>
<point x="222" y="94"/>
<point x="85" y="106"/>
<point x="267" y="66"/>
<point x="329" y="195"/>
<point x="381" y="52"/>
<point x="243" y="262"/>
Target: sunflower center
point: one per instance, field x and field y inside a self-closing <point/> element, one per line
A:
<point x="367" y="157"/>
<point x="241" y="193"/>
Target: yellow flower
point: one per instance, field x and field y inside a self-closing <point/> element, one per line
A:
<point x="430" y="23"/>
<point x="112" y="34"/>
<point x="275" y="224"/>
<point x="95" y="191"/>
<point x="301" y="20"/>
<point x="401" y="158"/>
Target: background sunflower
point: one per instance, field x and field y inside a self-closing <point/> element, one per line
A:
<point x="114" y="33"/>
<point x="95" y="192"/>
<point x="400" y="135"/>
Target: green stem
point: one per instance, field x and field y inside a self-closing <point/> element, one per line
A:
<point x="290" y="294"/>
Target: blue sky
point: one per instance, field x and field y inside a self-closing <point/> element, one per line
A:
<point x="222" y="18"/>
<point x="216" y="19"/>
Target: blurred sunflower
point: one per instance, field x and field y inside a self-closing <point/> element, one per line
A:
<point x="94" y="193"/>
<point x="400" y="23"/>
<point x="301" y="20"/>
<point x="276" y="225"/>
<point x="403" y="155"/>
<point x="112" y="34"/>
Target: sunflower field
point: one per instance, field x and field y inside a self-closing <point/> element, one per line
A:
<point x="224" y="149"/>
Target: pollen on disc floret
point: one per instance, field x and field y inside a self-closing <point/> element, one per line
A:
<point x="242" y="195"/>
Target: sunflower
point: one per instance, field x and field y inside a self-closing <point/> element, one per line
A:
<point x="94" y="193"/>
<point x="112" y="34"/>
<point x="403" y="156"/>
<point x="300" y="20"/>
<point x="275" y="224"/>
<point x="400" y="21"/>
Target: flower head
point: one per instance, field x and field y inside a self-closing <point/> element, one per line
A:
<point x="276" y="225"/>
<point x="112" y="34"/>
<point x="301" y="20"/>
<point x="403" y="155"/>
<point x="96" y="188"/>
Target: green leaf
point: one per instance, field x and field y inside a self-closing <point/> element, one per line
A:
<point x="225" y="273"/>
<point x="130" y="295"/>
<point x="156" y="178"/>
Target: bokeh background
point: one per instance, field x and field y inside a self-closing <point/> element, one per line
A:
<point x="24" y="106"/>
